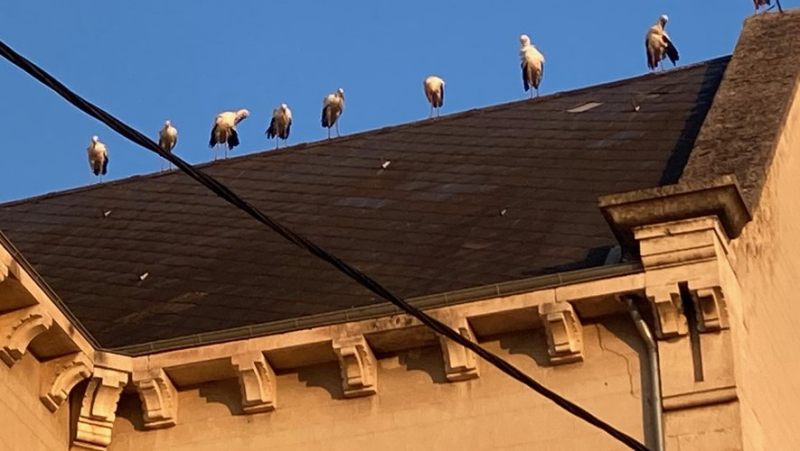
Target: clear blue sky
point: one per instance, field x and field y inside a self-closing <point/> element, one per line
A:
<point x="150" y="60"/>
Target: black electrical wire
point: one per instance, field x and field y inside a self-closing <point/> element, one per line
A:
<point x="225" y="193"/>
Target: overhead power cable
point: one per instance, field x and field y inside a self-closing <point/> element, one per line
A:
<point x="228" y="195"/>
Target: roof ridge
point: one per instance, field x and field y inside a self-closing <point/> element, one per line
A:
<point x="362" y="134"/>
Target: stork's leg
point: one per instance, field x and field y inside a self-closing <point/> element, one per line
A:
<point x="277" y="143"/>
<point x="329" y="133"/>
<point x="337" y="129"/>
<point x="537" y="92"/>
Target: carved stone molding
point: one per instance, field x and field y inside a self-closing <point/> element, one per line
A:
<point x="564" y="332"/>
<point x="256" y="381"/>
<point x="668" y="307"/>
<point x="61" y="375"/>
<point x="18" y="329"/>
<point x="159" y="398"/>
<point x="712" y="312"/>
<point x="358" y="366"/>
<point x="98" y="410"/>
<point x="460" y="364"/>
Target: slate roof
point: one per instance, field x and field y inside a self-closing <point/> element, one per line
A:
<point x="429" y="223"/>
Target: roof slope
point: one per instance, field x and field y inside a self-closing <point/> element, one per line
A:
<point x="431" y="222"/>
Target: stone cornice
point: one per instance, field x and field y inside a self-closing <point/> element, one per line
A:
<point x="721" y="198"/>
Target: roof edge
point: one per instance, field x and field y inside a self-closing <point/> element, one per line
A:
<point x="450" y="298"/>
<point x="362" y="134"/>
<point x="49" y="292"/>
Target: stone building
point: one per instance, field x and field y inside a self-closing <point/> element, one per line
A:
<point x="147" y="314"/>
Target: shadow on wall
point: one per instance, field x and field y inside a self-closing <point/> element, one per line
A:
<point x="531" y="343"/>
<point x="428" y="360"/>
<point x="130" y="409"/>
<point x="225" y="392"/>
<point x="325" y="375"/>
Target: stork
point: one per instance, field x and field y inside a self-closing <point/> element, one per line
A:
<point x="224" y="131"/>
<point x="434" y="91"/>
<point x="281" y="124"/>
<point x="658" y="44"/>
<point x="532" y="64"/>
<point x="759" y="3"/>
<point x="98" y="157"/>
<point x="167" y="138"/>
<point x="332" y="107"/>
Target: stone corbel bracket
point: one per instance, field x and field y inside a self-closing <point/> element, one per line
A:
<point x="358" y="366"/>
<point x="159" y="398"/>
<point x="564" y="332"/>
<point x="712" y="311"/>
<point x="61" y="375"/>
<point x="18" y="329"/>
<point x="3" y="272"/>
<point x="256" y="381"/>
<point x="98" y="411"/>
<point x="668" y="307"/>
<point x="460" y="364"/>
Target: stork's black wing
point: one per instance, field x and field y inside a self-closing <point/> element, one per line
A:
<point x="525" y="77"/>
<point x="325" y="118"/>
<point x="213" y="141"/>
<point x="286" y="132"/>
<point x="271" y="130"/>
<point x="672" y="52"/>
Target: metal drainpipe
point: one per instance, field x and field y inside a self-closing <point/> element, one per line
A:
<point x="655" y="375"/>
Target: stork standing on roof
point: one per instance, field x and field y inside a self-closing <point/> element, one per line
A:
<point x="658" y="44"/>
<point x="532" y="63"/>
<point x="332" y="107"/>
<point x="434" y="91"/>
<point x="281" y="124"/>
<point x="167" y="138"/>
<point x="224" y="131"/>
<point x="98" y="157"/>
<point x="759" y="3"/>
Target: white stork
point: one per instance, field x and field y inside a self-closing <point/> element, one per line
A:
<point x="759" y="3"/>
<point x="658" y="44"/>
<point x="224" y="131"/>
<point x="434" y="91"/>
<point x="167" y="138"/>
<point x="332" y="107"/>
<point x="532" y="63"/>
<point x="98" y="157"/>
<point x="281" y="124"/>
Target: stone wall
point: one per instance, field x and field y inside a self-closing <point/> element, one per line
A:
<point x="416" y="408"/>
<point x="767" y="262"/>
<point x="25" y="423"/>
